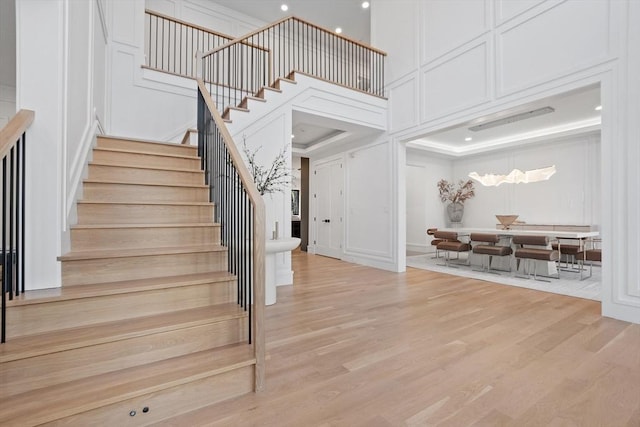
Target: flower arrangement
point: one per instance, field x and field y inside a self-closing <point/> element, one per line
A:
<point x="464" y="191"/>
<point x="268" y="180"/>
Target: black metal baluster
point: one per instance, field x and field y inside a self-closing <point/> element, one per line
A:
<point x="24" y="197"/>
<point x="9" y="263"/>
<point x="4" y="249"/>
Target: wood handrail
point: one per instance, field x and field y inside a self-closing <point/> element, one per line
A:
<point x="273" y="24"/>
<point x="187" y="136"/>
<point x="188" y="24"/>
<point x="14" y="129"/>
<point x="259" y="237"/>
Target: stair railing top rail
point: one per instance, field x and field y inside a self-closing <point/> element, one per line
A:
<point x="238" y="69"/>
<point x="240" y="211"/>
<point x="12" y="210"/>
<point x="11" y="133"/>
<point x="171" y="44"/>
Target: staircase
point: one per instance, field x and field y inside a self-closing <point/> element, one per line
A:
<point x="146" y="325"/>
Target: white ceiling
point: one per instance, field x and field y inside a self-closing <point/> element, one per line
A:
<point x="314" y="132"/>
<point x="346" y="14"/>
<point x="574" y="113"/>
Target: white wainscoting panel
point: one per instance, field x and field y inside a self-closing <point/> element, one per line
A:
<point x="460" y="81"/>
<point x="552" y="44"/>
<point x="508" y="9"/>
<point x="165" y="7"/>
<point x="404" y="113"/>
<point x="207" y="19"/>
<point x="125" y="16"/>
<point x="394" y="29"/>
<point x="369" y="201"/>
<point x="447" y="25"/>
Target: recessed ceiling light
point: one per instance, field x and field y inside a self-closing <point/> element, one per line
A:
<point x="338" y="30"/>
<point x="599" y="107"/>
<point x="468" y="138"/>
<point x="365" y="4"/>
<point x="284" y="7"/>
<point x="292" y="136"/>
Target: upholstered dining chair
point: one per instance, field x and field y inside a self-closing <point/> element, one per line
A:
<point x="450" y="243"/>
<point x="590" y="254"/>
<point x="534" y="248"/>
<point x="486" y="245"/>
<point x="434" y="241"/>
<point x="569" y="251"/>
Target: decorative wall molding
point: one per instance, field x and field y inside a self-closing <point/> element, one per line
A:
<point x="405" y="114"/>
<point x="103" y="20"/>
<point x="380" y="179"/>
<point x="539" y="48"/>
<point x="516" y="9"/>
<point x="441" y="36"/>
<point x="457" y="82"/>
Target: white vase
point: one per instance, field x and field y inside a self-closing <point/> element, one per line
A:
<point x="455" y="211"/>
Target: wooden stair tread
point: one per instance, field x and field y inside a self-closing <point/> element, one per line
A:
<point x="150" y="184"/>
<point x="267" y="88"/>
<point x="67" y="339"/>
<point x="66" y="293"/>
<point x="149" y="225"/>
<point x="137" y="252"/>
<point x="150" y="202"/>
<point x="55" y="402"/>
<point x="171" y="144"/>
<point x="287" y="80"/>
<point x="147" y="153"/>
<point x="147" y="167"/>
<point x="245" y="110"/>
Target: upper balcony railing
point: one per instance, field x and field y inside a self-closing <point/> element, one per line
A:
<point x="243" y="66"/>
<point x="171" y="44"/>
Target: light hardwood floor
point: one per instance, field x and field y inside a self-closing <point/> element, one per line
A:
<point x="349" y="345"/>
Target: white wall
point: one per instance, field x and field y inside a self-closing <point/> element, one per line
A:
<point x="55" y="77"/>
<point x="148" y="104"/>
<point x="208" y="14"/>
<point x="8" y="62"/>
<point x="40" y="28"/>
<point x="571" y="196"/>
<point x="424" y="208"/>
<point x="460" y="60"/>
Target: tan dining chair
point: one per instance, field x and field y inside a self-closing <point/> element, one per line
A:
<point x="534" y="248"/>
<point x="591" y="253"/>
<point x="486" y="245"/>
<point x="450" y="244"/>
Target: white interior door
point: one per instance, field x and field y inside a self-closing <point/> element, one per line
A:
<point x="329" y="208"/>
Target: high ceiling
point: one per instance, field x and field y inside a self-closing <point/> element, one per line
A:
<point x="346" y="14"/>
<point x="574" y="112"/>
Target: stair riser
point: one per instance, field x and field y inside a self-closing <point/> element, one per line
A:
<point x="143" y="193"/>
<point x="168" y="403"/>
<point x="148" y="147"/>
<point x="147" y="176"/>
<point x="79" y="272"/>
<point x="143" y="214"/>
<point x="24" y="375"/>
<point x="147" y="237"/>
<point x="27" y="319"/>
<point x="139" y="159"/>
